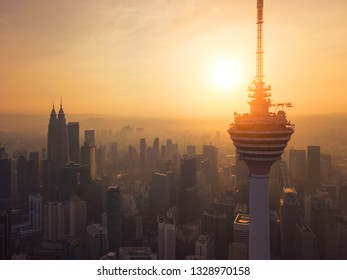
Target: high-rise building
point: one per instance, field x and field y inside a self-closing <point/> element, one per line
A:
<point x="5" y="207"/>
<point x="239" y="249"/>
<point x="159" y="195"/>
<point x="313" y="166"/>
<point x="225" y="203"/>
<point x="143" y="149"/>
<point x="188" y="190"/>
<point x="260" y="138"/>
<point x="78" y="216"/>
<point x="188" y="173"/>
<point x="74" y="179"/>
<point x="55" y="220"/>
<point x="114" y="225"/>
<point x="57" y="152"/>
<point x="205" y="246"/>
<point x="113" y="153"/>
<point x="89" y="138"/>
<point x="216" y="223"/>
<point x="289" y="214"/>
<point x="73" y="132"/>
<point x="166" y="238"/>
<point x="131" y="156"/>
<point x="96" y="241"/>
<point x="57" y="148"/>
<point x="297" y="164"/>
<point x="35" y="211"/>
<point x="88" y="157"/>
<point x="100" y="158"/>
<point x="304" y="242"/>
<point x="325" y="168"/>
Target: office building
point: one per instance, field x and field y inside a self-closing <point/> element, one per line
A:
<point x="166" y="238"/>
<point x="114" y="224"/>
<point x="73" y="132"/>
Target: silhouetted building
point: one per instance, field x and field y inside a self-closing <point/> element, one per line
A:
<point x="188" y="190"/>
<point x="216" y="223"/>
<point x="289" y="213"/>
<point x="55" y="220"/>
<point x="73" y="132"/>
<point x="113" y="154"/>
<point x="225" y="203"/>
<point x="57" y="153"/>
<point x="74" y="179"/>
<point x="304" y="242"/>
<point x="88" y="157"/>
<point x="96" y="241"/>
<point x="160" y="195"/>
<point x="313" y="166"/>
<point x="78" y="216"/>
<point x="325" y="168"/>
<point x="210" y="167"/>
<point x="89" y="138"/>
<point x="297" y="164"/>
<point x="114" y="225"/>
<point x="5" y="207"/>
<point x="100" y="159"/>
<point x="143" y="150"/>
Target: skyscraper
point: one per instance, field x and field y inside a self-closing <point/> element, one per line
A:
<point x="241" y="237"/>
<point x="289" y="213"/>
<point x="5" y="208"/>
<point x="73" y="132"/>
<point x="166" y="238"/>
<point x="188" y="190"/>
<point x="297" y="164"/>
<point x="216" y="223"/>
<point x="114" y="225"/>
<point x="57" y="148"/>
<point x="143" y="149"/>
<point x="57" y="152"/>
<point x="313" y="166"/>
<point x="260" y="138"/>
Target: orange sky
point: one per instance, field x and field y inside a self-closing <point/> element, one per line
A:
<point x="151" y="57"/>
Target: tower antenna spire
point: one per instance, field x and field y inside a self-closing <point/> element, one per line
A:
<point x="61" y="102"/>
<point x="259" y="54"/>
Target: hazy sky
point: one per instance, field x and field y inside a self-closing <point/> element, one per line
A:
<point x="152" y="57"/>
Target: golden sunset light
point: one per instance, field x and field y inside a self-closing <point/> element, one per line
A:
<point x="224" y="74"/>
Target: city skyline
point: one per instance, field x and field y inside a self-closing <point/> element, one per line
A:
<point x="108" y="58"/>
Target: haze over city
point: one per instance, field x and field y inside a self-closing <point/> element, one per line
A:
<point x="162" y="130"/>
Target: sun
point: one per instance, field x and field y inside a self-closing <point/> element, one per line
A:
<point x="224" y="73"/>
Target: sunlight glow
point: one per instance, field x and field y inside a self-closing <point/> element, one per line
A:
<point x="224" y="74"/>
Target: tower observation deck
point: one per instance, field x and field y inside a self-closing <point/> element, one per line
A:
<point x="260" y="138"/>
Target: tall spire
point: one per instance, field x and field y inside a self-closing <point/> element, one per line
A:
<point x="260" y="92"/>
<point x="61" y="113"/>
<point x="53" y="113"/>
<point x="259" y="66"/>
